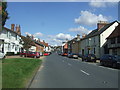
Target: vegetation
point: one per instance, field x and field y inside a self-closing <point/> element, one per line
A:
<point x="4" y="13"/>
<point x="16" y="72"/>
<point x="28" y="42"/>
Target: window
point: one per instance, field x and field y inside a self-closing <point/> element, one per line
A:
<point x="94" y="50"/>
<point x="114" y="51"/>
<point x="7" y="34"/>
<point x="118" y="39"/>
<point x="16" y="37"/>
<point x="112" y="40"/>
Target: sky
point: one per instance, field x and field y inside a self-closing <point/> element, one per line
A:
<point x="54" y="22"/>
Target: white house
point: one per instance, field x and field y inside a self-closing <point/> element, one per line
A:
<point x="11" y="39"/>
<point x="96" y="41"/>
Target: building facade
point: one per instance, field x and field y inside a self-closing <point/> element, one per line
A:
<point x="114" y="41"/>
<point x="11" y="39"/>
<point x="96" y="41"/>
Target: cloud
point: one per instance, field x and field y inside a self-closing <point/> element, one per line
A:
<point x="106" y="3"/>
<point x="39" y="34"/>
<point x="90" y="19"/>
<point x="97" y="4"/>
<point x="80" y="29"/>
<point x="52" y="39"/>
<point x="27" y="33"/>
<point x="62" y="36"/>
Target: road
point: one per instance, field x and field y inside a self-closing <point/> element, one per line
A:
<point x="62" y="72"/>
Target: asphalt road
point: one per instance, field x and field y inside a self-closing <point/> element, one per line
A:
<point x="62" y="72"/>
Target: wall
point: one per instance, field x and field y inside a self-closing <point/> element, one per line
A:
<point x="104" y="35"/>
<point x="11" y="41"/>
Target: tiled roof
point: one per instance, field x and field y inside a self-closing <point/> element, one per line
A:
<point x="115" y="33"/>
<point x="98" y="32"/>
<point x="11" y="31"/>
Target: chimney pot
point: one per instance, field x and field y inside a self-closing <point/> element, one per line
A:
<point x="12" y="27"/>
<point x="101" y="24"/>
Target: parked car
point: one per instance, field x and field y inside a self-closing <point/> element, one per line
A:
<point x="73" y="55"/>
<point x="64" y="54"/>
<point x="30" y="54"/>
<point x="33" y="54"/>
<point x="80" y="55"/>
<point x="23" y="54"/>
<point x="2" y="55"/>
<point x="110" y="60"/>
<point x="89" y="57"/>
<point x="46" y="54"/>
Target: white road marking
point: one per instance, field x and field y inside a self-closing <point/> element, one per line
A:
<point x="69" y="64"/>
<point x="85" y="72"/>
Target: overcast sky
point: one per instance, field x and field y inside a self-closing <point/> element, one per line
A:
<point x="55" y="22"/>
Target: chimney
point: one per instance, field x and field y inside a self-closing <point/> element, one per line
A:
<point x="32" y="37"/>
<point x="101" y="24"/>
<point x="78" y="36"/>
<point x="18" y="29"/>
<point x="84" y="35"/>
<point x="12" y="27"/>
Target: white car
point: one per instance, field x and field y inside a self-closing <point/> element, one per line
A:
<point x="2" y="55"/>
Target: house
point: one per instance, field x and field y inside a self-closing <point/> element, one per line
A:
<point x="37" y="46"/>
<point x="74" y="45"/>
<point x="64" y="47"/>
<point x="95" y="42"/>
<point x="114" y="41"/>
<point x="11" y="39"/>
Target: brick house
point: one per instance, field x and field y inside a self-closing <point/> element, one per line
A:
<point x="74" y="45"/>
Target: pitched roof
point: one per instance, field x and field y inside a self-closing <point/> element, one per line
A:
<point x="11" y="30"/>
<point x="115" y="33"/>
<point x="97" y="32"/>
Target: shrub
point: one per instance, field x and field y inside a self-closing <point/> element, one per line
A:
<point x="10" y="53"/>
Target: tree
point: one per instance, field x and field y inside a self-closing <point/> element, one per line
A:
<point x="4" y="13"/>
<point x="27" y="42"/>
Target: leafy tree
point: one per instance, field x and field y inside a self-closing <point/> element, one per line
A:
<point x="28" y="42"/>
<point x="4" y="13"/>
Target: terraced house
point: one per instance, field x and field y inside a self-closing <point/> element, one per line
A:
<point x="10" y="39"/>
<point x="96" y="41"/>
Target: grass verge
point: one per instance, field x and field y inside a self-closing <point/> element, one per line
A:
<point x="17" y="72"/>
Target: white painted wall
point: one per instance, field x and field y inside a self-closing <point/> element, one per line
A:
<point x="104" y="35"/>
<point x="100" y="40"/>
<point x="11" y="41"/>
<point x="32" y="49"/>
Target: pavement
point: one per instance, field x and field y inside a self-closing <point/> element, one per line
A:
<point x="62" y="72"/>
<point x="18" y="56"/>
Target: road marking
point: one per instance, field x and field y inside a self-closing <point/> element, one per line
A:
<point x="85" y="72"/>
<point x="69" y="64"/>
<point x="63" y="61"/>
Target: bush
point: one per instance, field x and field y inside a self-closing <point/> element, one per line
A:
<point x="18" y="53"/>
<point x="10" y="53"/>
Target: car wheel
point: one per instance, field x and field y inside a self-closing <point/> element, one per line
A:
<point x="35" y="57"/>
<point x="101" y="63"/>
<point x="94" y="61"/>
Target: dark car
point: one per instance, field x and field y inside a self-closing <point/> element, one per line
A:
<point x="110" y="60"/>
<point x="89" y="57"/>
<point x="73" y="55"/>
<point x="80" y="55"/>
